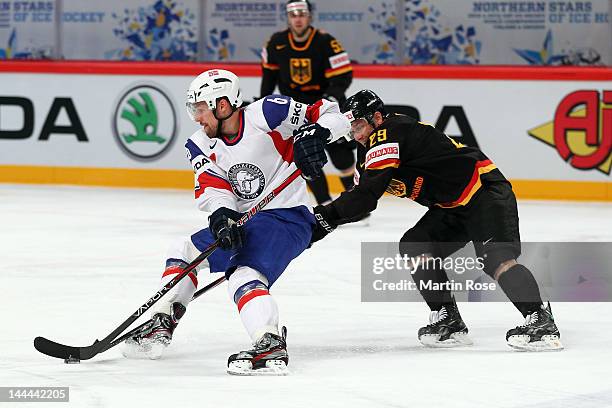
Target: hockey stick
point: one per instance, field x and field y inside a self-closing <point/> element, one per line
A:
<point x="75" y="354"/>
<point x="136" y="330"/>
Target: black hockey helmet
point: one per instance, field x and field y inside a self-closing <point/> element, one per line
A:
<point x="362" y="105"/>
<point x="298" y="5"/>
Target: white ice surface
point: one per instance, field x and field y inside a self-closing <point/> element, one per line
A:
<point x="75" y="262"/>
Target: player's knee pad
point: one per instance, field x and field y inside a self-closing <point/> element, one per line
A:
<point x="494" y="257"/>
<point x="245" y="284"/>
<point x="182" y="249"/>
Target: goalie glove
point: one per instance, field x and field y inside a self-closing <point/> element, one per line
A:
<point x="323" y="223"/>
<point x="222" y="224"/>
<point x="309" y="149"/>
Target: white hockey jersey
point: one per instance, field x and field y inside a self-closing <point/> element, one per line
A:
<point x="237" y="173"/>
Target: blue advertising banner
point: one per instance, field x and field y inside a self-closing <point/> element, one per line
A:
<point x="136" y="30"/>
<point x="27" y="29"/>
<point x="471" y="32"/>
<point x="508" y="32"/>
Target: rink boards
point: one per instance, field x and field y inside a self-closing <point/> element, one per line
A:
<point x="124" y="124"/>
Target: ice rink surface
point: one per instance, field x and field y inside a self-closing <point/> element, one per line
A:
<point x="77" y="261"/>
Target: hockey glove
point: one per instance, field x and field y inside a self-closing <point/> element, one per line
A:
<point x="324" y="224"/>
<point x="309" y="149"/>
<point x="222" y="224"/>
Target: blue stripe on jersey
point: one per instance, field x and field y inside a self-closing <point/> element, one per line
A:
<point x="176" y="262"/>
<point x="275" y="109"/>
<point x="193" y="149"/>
<point x="211" y="173"/>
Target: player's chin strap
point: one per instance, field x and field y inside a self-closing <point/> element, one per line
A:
<point x="221" y="120"/>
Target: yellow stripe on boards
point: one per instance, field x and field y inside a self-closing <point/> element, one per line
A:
<point x="563" y="190"/>
<point x="109" y="177"/>
<point x="183" y="179"/>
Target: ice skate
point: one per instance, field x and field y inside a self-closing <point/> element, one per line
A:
<point x="539" y="333"/>
<point x="151" y="342"/>
<point x="267" y="357"/>
<point x="445" y="329"/>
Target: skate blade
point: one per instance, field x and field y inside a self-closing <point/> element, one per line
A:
<point x="145" y="351"/>
<point x="455" y="340"/>
<point x="245" y="368"/>
<point x="547" y="343"/>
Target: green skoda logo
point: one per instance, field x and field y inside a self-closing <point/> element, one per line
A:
<point x="144" y="122"/>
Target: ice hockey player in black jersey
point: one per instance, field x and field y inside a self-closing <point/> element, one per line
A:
<point x="468" y="199"/>
<point x="309" y="64"/>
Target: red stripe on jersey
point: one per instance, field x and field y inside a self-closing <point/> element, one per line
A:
<point x="250" y="295"/>
<point x="313" y="111"/>
<point x="384" y="163"/>
<point x="238" y="137"/>
<point x="283" y="146"/>
<point x="475" y="178"/>
<point x="175" y="270"/>
<point x="208" y="180"/>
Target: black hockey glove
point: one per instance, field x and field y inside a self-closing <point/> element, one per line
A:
<point x="222" y="224"/>
<point x="324" y="224"/>
<point x="309" y="149"/>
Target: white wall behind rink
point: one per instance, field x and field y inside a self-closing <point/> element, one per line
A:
<point x="500" y="112"/>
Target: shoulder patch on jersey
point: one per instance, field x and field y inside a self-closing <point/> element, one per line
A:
<point x="275" y="109"/>
<point x="193" y="150"/>
<point x="383" y="156"/>
<point x="339" y="60"/>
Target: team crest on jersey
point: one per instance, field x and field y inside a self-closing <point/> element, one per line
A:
<point x="397" y="188"/>
<point x="301" y="70"/>
<point x="247" y="180"/>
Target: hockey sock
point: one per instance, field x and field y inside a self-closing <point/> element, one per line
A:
<point x="259" y="315"/>
<point x="521" y="288"/>
<point x="181" y="293"/>
<point x="433" y="276"/>
<point x="347" y="182"/>
<point x="320" y="189"/>
<point x="258" y="310"/>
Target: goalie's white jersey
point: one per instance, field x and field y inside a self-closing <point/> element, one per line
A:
<point x="237" y="173"/>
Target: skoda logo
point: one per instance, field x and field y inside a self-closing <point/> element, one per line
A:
<point x="144" y="122"/>
<point x="247" y="180"/>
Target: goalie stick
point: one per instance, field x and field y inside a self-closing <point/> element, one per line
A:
<point x="75" y="354"/>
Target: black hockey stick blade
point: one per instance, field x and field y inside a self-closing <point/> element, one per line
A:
<point x="58" y="350"/>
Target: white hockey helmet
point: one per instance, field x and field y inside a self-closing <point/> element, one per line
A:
<point x="212" y="85"/>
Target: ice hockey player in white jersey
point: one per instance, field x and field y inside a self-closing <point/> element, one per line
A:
<point x="238" y="156"/>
